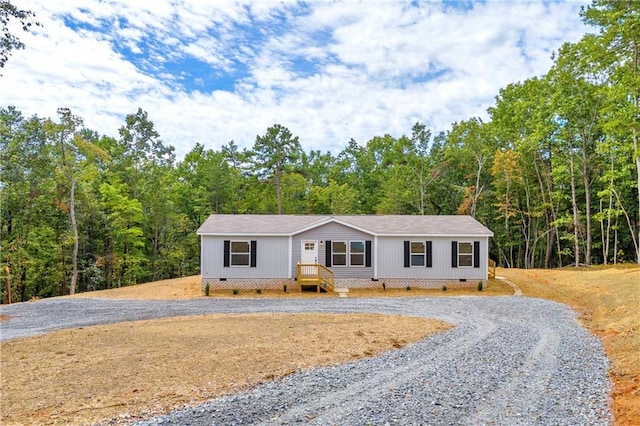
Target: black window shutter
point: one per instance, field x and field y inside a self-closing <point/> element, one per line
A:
<point x="367" y="253"/>
<point x="476" y="254"/>
<point x="407" y="254"/>
<point x="429" y="259"/>
<point x="454" y="254"/>
<point x="227" y="254"/>
<point x="327" y="254"/>
<point x="254" y="253"/>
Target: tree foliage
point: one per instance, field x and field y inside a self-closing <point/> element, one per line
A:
<point x="553" y="171"/>
<point x="10" y="41"/>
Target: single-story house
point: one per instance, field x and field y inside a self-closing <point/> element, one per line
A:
<point x="357" y="251"/>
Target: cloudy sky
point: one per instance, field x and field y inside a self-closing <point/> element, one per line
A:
<point x="214" y="71"/>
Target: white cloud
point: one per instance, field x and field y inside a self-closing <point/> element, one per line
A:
<point x="367" y="77"/>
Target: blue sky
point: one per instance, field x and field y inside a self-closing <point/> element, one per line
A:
<point x="215" y="71"/>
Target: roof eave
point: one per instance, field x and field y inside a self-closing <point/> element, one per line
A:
<point x="436" y="235"/>
<point x="244" y="234"/>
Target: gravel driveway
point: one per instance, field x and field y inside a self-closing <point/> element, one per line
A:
<point x="508" y="361"/>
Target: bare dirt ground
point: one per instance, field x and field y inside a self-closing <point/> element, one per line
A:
<point x="608" y="300"/>
<point x="189" y="288"/>
<point x="146" y="368"/>
<point x="58" y="363"/>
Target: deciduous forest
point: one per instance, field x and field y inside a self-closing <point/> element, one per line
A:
<point x="553" y="171"/>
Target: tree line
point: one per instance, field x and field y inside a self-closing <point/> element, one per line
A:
<point x="553" y="171"/>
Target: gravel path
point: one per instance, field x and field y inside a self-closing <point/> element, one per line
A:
<point x="509" y="361"/>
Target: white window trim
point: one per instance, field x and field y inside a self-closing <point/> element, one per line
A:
<point x="364" y="254"/>
<point x="348" y="254"/>
<point x="465" y="254"/>
<point x="423" y="254"/>
<point x="231" y="253"/>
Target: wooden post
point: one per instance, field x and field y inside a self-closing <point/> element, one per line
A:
<point x="8" y="284"/>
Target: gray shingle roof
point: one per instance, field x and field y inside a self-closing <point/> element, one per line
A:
<point x="224" y="224"/>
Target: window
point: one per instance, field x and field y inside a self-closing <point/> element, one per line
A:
<point x="339" y="253"/>
<point x="417" y="253"/>
<point x="352" y="253"/>
<point x="240" y="253"/>
<point x="356" y="257"/>
<point x="348" y="253"/>
<point x="465" y="254"/>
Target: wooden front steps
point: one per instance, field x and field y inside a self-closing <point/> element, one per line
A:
<point x="342" y="292"/>
<point x="492" y="268"/>
<point x="314" y="274"/>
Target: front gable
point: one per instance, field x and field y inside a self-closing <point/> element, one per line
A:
<point x="329" y="236"/>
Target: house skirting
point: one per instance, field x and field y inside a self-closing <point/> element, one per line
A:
<point x="277" y="283"/>
<point x="248" y="283"/>
<point x="408" y="282"/>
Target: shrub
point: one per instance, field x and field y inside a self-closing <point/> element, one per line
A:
<point x="206" y="290"/>
<point x="259" y="291"/>
<point x="444" y="288"/>
<point x="479" y="285"/>
<point x="408" y="288"/>
<point x="235" y="291"/>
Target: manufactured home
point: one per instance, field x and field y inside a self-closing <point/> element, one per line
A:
<point x="359" y="251"/>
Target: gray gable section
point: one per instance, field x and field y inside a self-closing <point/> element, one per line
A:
<point x="380" y="225"/>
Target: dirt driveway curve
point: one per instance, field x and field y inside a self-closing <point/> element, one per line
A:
<point x="509" y="360"/>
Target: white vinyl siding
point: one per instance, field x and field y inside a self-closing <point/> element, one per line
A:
<point x="390" y="258"/>
<point x="272" y="259"/>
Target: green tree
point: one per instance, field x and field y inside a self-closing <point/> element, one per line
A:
<point x="523" y="120"/>
<point x="127" y="246"/>
<point x="275" y="153"/>
<point x="9" y="41"/>
<point x="333" y="199"/>
<point x="619" y="58"/>
<point x="577" y="101"/>
<point x="470" y="146"/>
<point x="27" y="212"/>
<point x="74" y="154"/>
<point x="358" y="167"/>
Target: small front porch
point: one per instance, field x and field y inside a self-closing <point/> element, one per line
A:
<point x="315" y="275"/>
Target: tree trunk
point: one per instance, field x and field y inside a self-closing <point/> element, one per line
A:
<point x="606" y="233"/>
<point x="74" y="228"/>
<point x="477" y="188"/>
<point x="278" y="189"/>
<point x="7" y="296"/>
<point x="576" y="217"/>
<point x="637" y="151"/>
<point x="587" y="207"/>
<point x="634" y="135"/>
<point x="615" y="243"/>
<point x="551" y="214"/>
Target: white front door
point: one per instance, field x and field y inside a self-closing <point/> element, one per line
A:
<point x="309" y="254"/>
